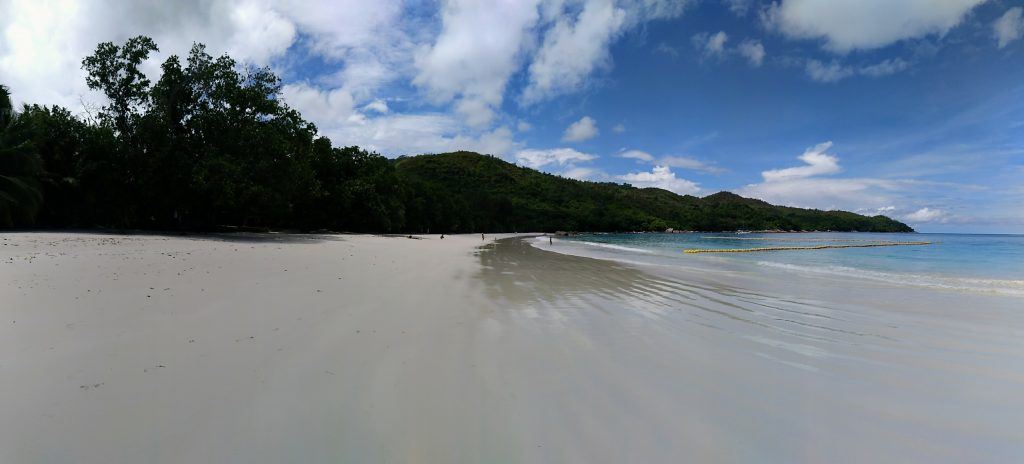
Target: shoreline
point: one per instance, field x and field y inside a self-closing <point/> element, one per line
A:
<point x="720" y="262"/>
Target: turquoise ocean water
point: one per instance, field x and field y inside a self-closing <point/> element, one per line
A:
<point x="988" y="263"/>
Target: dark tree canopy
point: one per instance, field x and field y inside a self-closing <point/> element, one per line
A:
<point x="211" y="144"/>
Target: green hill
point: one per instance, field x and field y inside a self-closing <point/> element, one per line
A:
<point x="464" y="192"/>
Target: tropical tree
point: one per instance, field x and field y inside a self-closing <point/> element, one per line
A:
<point x="21" y="195"/>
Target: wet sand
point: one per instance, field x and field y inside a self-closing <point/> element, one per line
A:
<point x="263" y="348"/>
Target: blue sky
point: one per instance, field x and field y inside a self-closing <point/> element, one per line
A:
<point x="909" y="108"/>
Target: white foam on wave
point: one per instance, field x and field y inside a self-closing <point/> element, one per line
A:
<point x="617" y="247"/>
<point x="997" y="286"/>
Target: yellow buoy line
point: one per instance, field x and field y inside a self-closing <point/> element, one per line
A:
<point x="790" y="239"/>
<point x="811" y="247"/>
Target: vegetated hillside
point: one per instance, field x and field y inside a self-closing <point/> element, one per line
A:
<point x="465" y="191"/>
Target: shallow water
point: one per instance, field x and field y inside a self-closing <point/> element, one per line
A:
<point x="747" y="363"/>
<point x="982" y="263"/>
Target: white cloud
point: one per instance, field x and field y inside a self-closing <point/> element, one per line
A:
<point x="461" y="59"/>
<point x="926" y="215"/>
<point x="405" y="134"/>
<point x="576" y="43"/>
<point x="378" y="105"/>
<point x="847" y="25"/>
<point x="584" y="129"/>
<point x="836" y="71"/>
<point x="711" y="45"/>
<point x="537" y="159"/>
<point x="583" y="173"/>
<point x="689" y="163"/>
<point x="319" y="105"/>
<point x="42" y="43"/>
<point x="671" y="161"/>
<point x="637" y="155"/>
<point x="802" y="187"/>
<point x="523" y="126"/>
<point x="573" y="48"/>
<point x="619" y="128"/>
<point x="479" y="47"/>
<point x="831" y="72"/>
<point x="1009" y="26"/>
<point x="817" y="162"/>
<point x="826" y="193"/>
<point x="739" y="7"/>
<point x="885" y="68"/>
<point x="753" y="51"/>
<point x="661" y="177"/>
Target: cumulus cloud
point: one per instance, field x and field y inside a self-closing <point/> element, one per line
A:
<point x="460" y="60"/>
<point x="619" y="128"/>
<point x="584" y="129"/>
<point x="812" y="186"/>
<point x="753" y="51"/>
<point x="1009" y="26"/>
<point x="826" y="193"/>
<point x="414" y="133"/>
<point x="926" y="215"/>
<point x="847" y="25"/>
<point x="573" y="48"/>
<point x="817" y="162"/>
<point x="318" y="104"/>
<point x="460" y="65"/>
<point x="583" y="173"/>
<point x="42" y="43"/>
<point x="537" y="159"/>
<point x="577" y="42"/>
<point x="661" y="177"/>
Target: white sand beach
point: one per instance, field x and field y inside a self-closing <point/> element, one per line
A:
<point x="353" y="348"/>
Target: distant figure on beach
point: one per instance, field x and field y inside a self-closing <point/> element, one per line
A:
<point x="550" y="241"/>
<point x="482" y="237"/>
<point x="442" y="236"/>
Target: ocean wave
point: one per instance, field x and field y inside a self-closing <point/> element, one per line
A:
<point x="998" y="286"/>
<point x="616" y="247"/>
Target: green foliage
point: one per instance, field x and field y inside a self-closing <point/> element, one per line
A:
<point x="114" y="70"/>
<point x="20" y="169"/>
<point x="211" y="144"/>
<point x="463" y="191"/>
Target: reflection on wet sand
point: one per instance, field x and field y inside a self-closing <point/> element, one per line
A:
<point x="785" y="370"/>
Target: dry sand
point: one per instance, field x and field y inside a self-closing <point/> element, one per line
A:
<point x="238" y="349"/>
<point x="280" y="348"/>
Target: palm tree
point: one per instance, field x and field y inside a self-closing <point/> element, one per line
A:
<point x="20" y="168"/>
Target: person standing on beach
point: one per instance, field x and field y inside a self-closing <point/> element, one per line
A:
<point x="551" y="241"/>
<point x="482" y="237"/>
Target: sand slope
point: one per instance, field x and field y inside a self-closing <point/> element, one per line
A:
<point x="236" y="349"/>
<point x="277" y="348"/>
